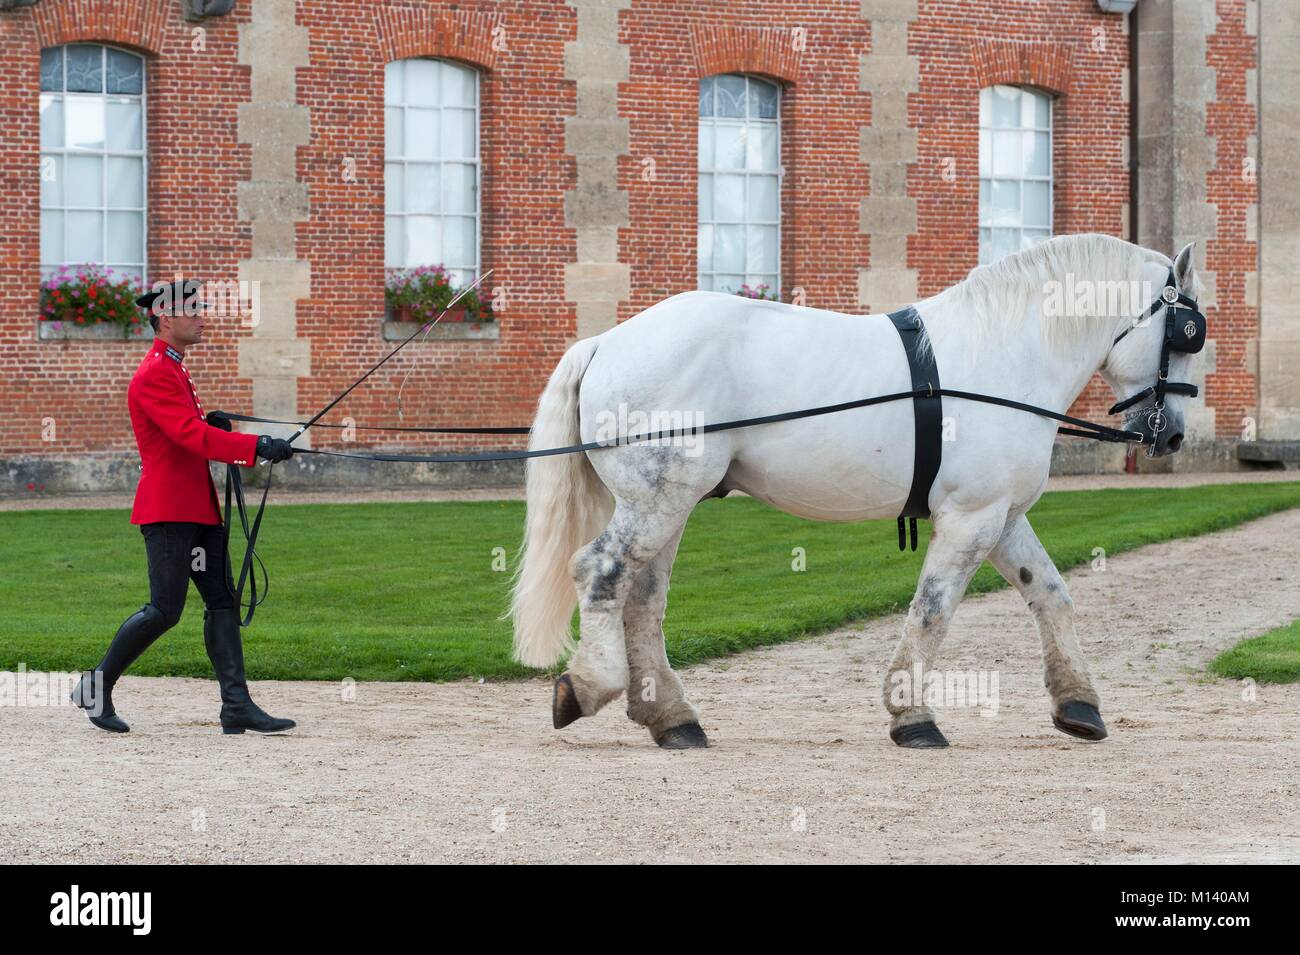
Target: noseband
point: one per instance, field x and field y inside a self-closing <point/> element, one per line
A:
<point x="1184" y="334"/>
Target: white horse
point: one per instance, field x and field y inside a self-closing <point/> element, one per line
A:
<point x="602" y="528"/>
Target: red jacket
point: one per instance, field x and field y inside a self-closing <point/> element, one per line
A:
<point x="176" y="443"/>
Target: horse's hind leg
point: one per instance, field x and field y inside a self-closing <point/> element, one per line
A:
<point x="1021" y="559"/>
<point x="656" y="697"/>
<point x="604" y="572"/>
<point x="957" y="548"/>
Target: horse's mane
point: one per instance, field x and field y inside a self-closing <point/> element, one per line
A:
<point x="996" y="300"/>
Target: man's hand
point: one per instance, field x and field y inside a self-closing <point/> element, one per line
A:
<point x="274" y="449"/>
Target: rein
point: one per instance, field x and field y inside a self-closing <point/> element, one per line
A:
<point x="1193" y="340"/>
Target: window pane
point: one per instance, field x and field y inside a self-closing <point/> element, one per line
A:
<point x="125" y="73"/>
<point x="1041" y="111"/>
<point x="729" y="198"/>
<point x="126" y="237"/>
<point x="423" y="241"/>
<point x="125" y="184"/>
<point x="1006" y="106"/>
<point x="730" y="146"/>
<point x="984" y="246"/>
<point x="761" y="253"/>
<point x="51" y="180"/>
<point x="125" y="127"/>
<point x="52" y="69"/>
<point x="731" y="95"/>
<point x="457" y="85"/>
<point x="85" y="69"/>
<point x="421" y="134"/>
<point x="1002" y="242"/>
<point x="761" y="145"/>
<point x="762" y="99"/>
<point x="84" y="183"/>
<point x="984" y="201"/>
<point x="458" y="133"/>
<point x="706" y="145"/>
<point x="1006" y="153"/>
<point x="1005" y="207"/>
<point x="85" y="238"/>
<point x="1038" y="157"/>
<point x="706" y="196"/>
<point x="421" y="188"/>
<point x="728" y="283"/>
<point x="52" y="238"/>
<point x="986" y="153"/>
<point x="392" y="132"/>
<point x="51" y="122"/>
<point x="393" y="82"/>
<point x="1032" y="237"/>
<point x="986" y="106"/>
<point x="1037" y="199"/>
<point x="729" y="248"/>
<point x="706" y="96"/>
<point x="421" y="82"/>
<point x="393" y="187"/>
<point x="393" y="230"/>
<point x="704" y="248"/>
<point x="458" y="188"/>
<point x="763" y="205"/>
<point x="85" y="122"/>
<point x="458" y="240"/>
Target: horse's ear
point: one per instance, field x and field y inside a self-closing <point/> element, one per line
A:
<point x="1183" y="266"/>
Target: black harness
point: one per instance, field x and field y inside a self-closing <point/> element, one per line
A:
<point x="927" y="408"/>
<point x="1185" y="335"/>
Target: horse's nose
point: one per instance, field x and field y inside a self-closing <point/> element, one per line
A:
<point x="1175" y="441"/>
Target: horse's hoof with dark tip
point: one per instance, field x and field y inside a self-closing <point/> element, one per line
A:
<point x="1080" y="720"/>
<point x="564" y="704"/>
<point x="686" y="736"/>
<point x="918" y="736"/>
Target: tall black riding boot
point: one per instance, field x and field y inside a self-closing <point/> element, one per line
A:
<point x="135" y="635"/>
<point x="226" y="651"/>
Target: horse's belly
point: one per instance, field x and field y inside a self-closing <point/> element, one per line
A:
<point x="849" y="489"/>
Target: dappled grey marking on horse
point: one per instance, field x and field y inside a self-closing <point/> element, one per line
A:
<point x="602" y="528"/>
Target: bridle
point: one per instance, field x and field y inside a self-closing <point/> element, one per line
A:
<point x="1185" y="336"/>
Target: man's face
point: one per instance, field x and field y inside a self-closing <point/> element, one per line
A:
<point x="185" y="329"/>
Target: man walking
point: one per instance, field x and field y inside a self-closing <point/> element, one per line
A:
<point x="176" y="509"/>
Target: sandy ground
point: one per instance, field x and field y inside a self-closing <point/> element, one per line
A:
<point x="801" y="768"/>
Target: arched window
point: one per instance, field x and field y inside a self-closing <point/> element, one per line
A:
<point x="92" y="159"/>
<point x="1015" y="170"/>
<point x="740" y="184"/>
<point x="431" y="166"/>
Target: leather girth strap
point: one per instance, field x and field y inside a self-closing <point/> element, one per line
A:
<point x="927" y="407"/>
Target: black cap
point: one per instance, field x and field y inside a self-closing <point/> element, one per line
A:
<point x="163" y="298"/>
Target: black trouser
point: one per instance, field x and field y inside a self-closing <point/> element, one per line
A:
<point x="178" y="552"/>
<point x="175" y="549"/>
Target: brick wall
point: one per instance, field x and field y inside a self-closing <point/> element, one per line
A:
<point x="812" y="47"/>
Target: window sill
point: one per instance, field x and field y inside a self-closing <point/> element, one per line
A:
<point x="444" y="331"/>
<point x="104" y="332"/>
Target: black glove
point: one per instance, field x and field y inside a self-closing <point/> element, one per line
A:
<point x="274" y="449"/>
<point x="218" y="420"/>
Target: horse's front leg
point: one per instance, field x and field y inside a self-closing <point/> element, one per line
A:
<point x="960" y="541"/>
<point x="1020" y="558"/>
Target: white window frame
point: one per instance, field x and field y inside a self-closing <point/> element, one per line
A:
<point x="460" y="274"/>
<point x="987" y="176"/>
<point x="48" y="268"/>
<point x="707" y="278"/>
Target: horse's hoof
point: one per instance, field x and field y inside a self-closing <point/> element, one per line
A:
<point x="686" y="736"/>
<point x="564" y="704"/>
<point x="1081" y="720"/>
<point x="918" y="736"/>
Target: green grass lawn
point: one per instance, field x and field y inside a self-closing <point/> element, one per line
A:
<point x="1273" y="657"/>
<point x="407" y="591"/>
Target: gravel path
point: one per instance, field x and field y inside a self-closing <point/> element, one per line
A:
<point x="801" y="768"/>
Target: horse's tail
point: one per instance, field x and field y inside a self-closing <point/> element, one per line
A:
<point x="567" y="506"/>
